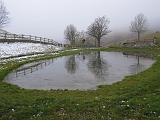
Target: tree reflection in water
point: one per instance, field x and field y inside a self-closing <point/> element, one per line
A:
<point x="71" y="64"/>
<point x="98" y="66"/>
<point x="83" y="56"/>
<point x="137" y="67"/>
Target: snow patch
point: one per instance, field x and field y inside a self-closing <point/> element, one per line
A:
<point x="15" y="49"/>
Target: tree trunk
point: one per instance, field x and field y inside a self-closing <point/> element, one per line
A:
<point x="73" y="43"/>
<point x="138" y="36"/>
<point x="99" y="43"/>
<point x="95" y="43"/>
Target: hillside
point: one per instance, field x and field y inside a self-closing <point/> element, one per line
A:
<point x="122" y="37"/>
<point x="21" y="49"/>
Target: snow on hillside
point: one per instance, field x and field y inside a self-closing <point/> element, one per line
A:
<point x="14" y="49"/>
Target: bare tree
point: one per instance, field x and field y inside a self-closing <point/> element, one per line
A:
<point x="139" y="25"/>
<point x="81" y="37"/>
<point x="4" y="19"/>
<point x="71" y="34"/>
<point x="99" y="28"/>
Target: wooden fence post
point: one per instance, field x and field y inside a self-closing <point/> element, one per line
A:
<point x="40" y="39"/>
<point x="14" y="36"/>
<point x="35" y="38"/>
<point x="5" y="36"/>
<point x="30" y="37"/>
<point x="22" y="36"/>
<point x="44" y="40"/>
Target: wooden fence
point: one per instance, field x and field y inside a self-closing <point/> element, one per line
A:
<point x="10" y="38"/>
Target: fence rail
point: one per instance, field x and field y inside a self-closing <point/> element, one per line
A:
<point x="8" y="37"/>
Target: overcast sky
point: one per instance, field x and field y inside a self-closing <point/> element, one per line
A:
<point x="49" y="18"/>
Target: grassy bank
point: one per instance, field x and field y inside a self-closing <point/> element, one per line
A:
<point x="137" y="97"/>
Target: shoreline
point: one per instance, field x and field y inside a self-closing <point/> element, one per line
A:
<point x="110" y="99"/>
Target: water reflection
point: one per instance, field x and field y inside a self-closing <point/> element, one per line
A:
<point x="98" y="66"/>
<point x="83" y="71"/>
<point x="83" y="56"/>
<point x="137" y="66"/>
<point x="33" y="67"/>
<point x="71" y="64"/>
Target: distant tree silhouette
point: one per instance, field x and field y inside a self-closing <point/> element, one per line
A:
<point x="4" y="18"/>
<point x="71" y="34"/>
<point x="139" y="25"/>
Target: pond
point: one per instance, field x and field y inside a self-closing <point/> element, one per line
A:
<point x="82" y="71"/>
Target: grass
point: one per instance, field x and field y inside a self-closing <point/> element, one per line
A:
<point x="137" y="97"/>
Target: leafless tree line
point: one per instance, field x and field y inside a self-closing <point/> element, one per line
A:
<point x="100" y="28"/>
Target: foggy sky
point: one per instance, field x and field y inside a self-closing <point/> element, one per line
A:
<point x="49" y="18"/>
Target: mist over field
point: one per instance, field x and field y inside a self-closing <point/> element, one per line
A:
<point x="49" y="18"/>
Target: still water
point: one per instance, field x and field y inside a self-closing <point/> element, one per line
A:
<point x="83" y="71"/>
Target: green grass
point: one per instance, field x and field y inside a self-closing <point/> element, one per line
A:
<point x="137" y="97"/>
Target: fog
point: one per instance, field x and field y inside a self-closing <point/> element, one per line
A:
<point x="49" y="18"/>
